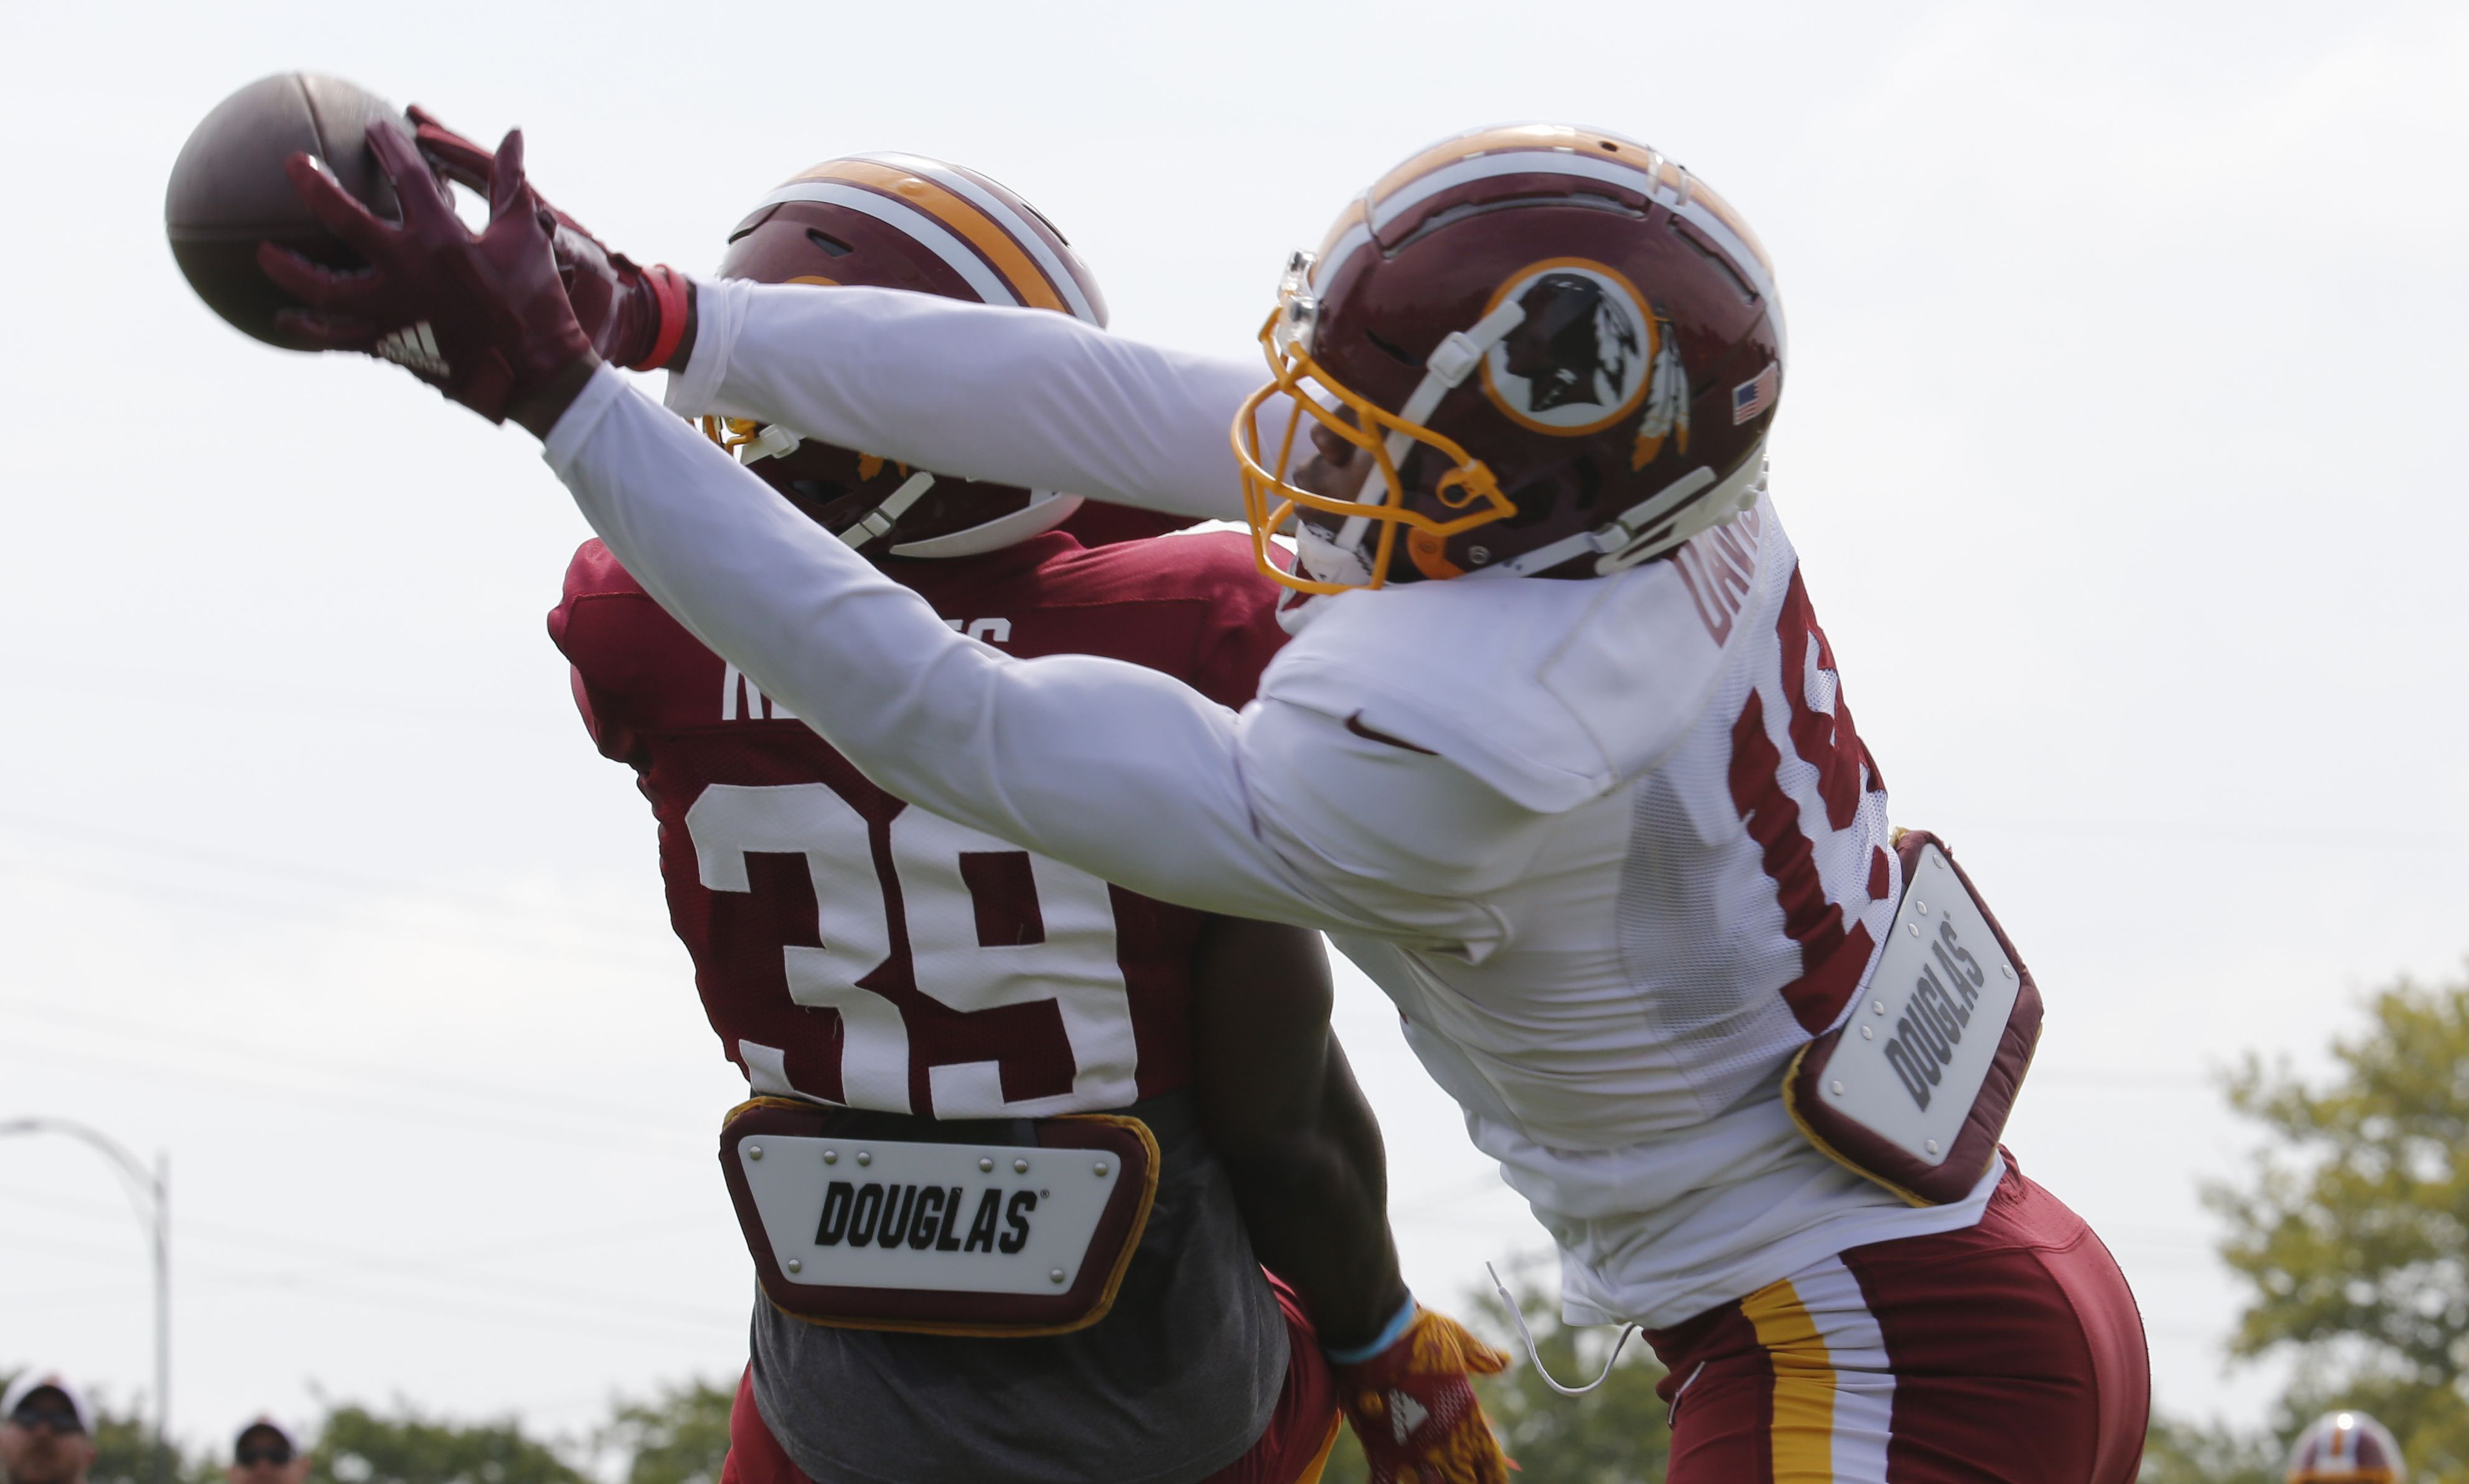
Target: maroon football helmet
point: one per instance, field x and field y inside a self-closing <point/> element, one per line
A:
<point x="1539" y="351"/>
<point x="2346" y="1447"/>
<point x="904" y="221"/>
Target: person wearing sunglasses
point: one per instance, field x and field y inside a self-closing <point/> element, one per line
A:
<point x="46" y="1432"/>
<point x="266" y="1454"/>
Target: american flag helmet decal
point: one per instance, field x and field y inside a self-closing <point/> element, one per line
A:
<point x="1757" y="394"/>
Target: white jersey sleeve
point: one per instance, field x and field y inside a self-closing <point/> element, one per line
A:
<point x="1010" y="395"/>
<point x="1108" y="766"/>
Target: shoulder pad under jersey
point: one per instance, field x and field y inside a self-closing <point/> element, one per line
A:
<point x="1551" y="693"/>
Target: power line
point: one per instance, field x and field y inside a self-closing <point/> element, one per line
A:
<point x="228" y="695"/>
<point x="186" y="1040"/>
<point x="75" y="1251"/>
<point x="1449" y="1194"/>
<point x="2124" y="1077"/>
<point x="317" y="875"/>
<point x="600" y="1233"/>
<point x="210" y="1282"/>
<point x="356" y="1262"/>
<point x="437" y="1271"/>
<point x="2162" y="831"/>
<point x="55" y="875"/>
<point x="428" y="1115"/>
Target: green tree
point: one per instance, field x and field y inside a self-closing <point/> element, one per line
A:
<point x="2353" y="1227"/>
<point x="678" y="1436"/>
<point x="2177" y="1452"/>
<point x="1614" y="1435"/>
<point x="357" y="1446"/>
<point x="124" y="1452"/>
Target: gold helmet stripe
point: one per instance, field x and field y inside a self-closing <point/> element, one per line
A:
<point x="1028" y="283"/>
<point x="1014" y="223"/>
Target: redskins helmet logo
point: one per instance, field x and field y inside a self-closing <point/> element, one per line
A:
<point x="1583" y="355"/>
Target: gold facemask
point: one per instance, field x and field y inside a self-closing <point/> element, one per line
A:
<point x="1271" y="500"/>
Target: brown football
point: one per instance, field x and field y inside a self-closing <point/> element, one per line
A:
<point x="228" y="192"/>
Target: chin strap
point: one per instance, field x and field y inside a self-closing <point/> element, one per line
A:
<point x="876" y="521"/>
<point x="1696" y="502"/>
<point x="1627" y="1332"/>
<point x="1449" y="364"/>
<point x="772" y="441"/>
<point x="1045" y="510"/>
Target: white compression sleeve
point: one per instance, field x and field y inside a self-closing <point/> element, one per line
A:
<point x="1015" y="396"/>
<point x="1008" y="746"/>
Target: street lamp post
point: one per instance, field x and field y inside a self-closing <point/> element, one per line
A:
<point x="154" y="1186"/>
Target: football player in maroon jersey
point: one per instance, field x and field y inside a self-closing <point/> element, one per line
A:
<point x="942" y="986"/>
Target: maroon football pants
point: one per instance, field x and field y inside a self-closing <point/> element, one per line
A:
<point x="1290" y="1450"/>
<point x="2009" y="1351"/>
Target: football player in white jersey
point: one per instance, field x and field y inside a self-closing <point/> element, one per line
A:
<point x="1559" y="755"/>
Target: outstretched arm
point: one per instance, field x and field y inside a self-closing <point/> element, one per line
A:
<point x="1016" y="397"/>
<point x="1007" y="745"/>
<point x="1197" y="806"/>
<point x="1281" y="1109"/>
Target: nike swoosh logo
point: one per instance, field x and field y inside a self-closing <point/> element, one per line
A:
<point x="1355" y="724"/>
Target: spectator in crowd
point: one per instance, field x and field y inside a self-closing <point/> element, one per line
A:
<point x="267" y="1453"/>
<point x="46" y="1431"/>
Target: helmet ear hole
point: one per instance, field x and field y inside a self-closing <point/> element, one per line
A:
<point x="1588" y="478"/>
<point x="1534" y="502"/>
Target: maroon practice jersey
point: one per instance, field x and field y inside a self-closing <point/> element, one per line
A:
<point x="851" y="948"/>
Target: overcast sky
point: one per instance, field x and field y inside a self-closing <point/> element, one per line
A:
<point x="2120" y="446"/>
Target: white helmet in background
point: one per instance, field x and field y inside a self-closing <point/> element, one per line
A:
<point x="2346" y="1447"/>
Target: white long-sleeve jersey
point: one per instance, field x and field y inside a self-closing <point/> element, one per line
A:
<point x="1611" y="845"/>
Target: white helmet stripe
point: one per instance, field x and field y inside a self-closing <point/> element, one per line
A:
<point x="1026" y="235"/>
<point x="927" y="232"/>
<point x="1353" y="238"/>
<point x="1560" y="162"/>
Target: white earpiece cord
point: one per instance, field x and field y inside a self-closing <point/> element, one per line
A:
<point x="1627" y="1332"/>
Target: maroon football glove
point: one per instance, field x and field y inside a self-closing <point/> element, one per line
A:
<point x="636" y="316"/>
<point x="482" y="317"/>
<point x="1414" y="1408"/>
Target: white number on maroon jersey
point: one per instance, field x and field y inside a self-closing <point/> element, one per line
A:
<point x="988" y="925"/>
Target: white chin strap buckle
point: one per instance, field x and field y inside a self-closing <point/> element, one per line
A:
<point x="876" y="521"/>
<point x="772" y="442"/>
